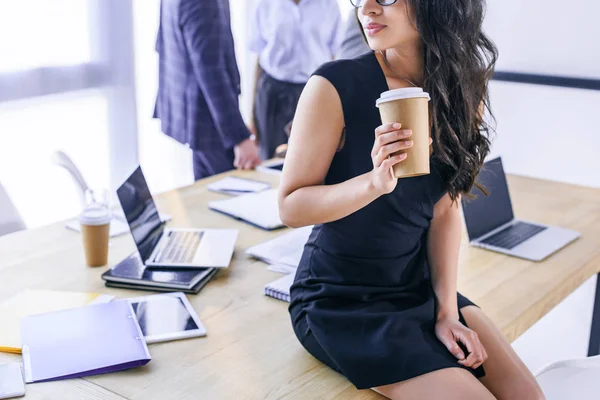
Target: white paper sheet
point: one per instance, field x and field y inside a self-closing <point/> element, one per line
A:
<point x="235" y="186"/>
<point x="285" y="250"/>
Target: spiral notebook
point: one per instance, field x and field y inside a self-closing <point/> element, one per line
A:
<point x="280" y="289"/>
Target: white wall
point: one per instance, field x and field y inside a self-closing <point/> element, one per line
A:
<point x="547" y="132"/>
<point x="553" y="37"/>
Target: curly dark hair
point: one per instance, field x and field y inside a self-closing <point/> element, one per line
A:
<point x="459" y="61"/>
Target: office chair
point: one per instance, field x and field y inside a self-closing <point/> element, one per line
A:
<point x="60" y="159"/>
<point x="10" y="220"/>
<point x="571" y="379"/>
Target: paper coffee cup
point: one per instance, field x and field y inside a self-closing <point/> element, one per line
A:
<point x="409" y="107"/>
<point x="95" y="227"/>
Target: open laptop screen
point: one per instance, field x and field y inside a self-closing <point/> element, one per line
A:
<point x="486" y="213"/>
<point x="141" y="213"/>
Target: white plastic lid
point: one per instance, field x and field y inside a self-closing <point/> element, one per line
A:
<point x="95" y="216"/>
<point x="403" y="93"/>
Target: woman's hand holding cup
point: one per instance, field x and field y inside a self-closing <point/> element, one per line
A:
<point x="389" y="139"/>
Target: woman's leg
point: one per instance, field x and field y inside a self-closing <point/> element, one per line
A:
<point x="505" y="374"/>
<point x="444" y="384"/>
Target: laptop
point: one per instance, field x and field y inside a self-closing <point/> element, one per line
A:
<point x="162" y="247"/>
<point x="491" y="223"/>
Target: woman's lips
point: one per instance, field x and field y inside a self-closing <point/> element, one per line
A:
<point x="373" y="29"/>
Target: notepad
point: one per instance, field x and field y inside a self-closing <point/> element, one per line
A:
<point x="233" y="185"/>
<point x="258" y="209"/>
<point x="280" y="289"/>
<point x="30" y="302"/>
<point x="284" y="250"/>
<point x="83" y="341"/>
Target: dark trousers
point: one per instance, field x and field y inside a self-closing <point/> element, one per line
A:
<point x="274" y="108"/>
<point x="212" y="162"/>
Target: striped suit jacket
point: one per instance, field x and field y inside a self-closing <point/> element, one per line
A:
<point x="199" y="82"/>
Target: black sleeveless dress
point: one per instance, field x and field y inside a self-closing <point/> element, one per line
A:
<point x="362" y="301"/>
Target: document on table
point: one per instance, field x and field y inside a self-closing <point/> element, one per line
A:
<point x="284" y="251"/>
<point x="236" y="186"/>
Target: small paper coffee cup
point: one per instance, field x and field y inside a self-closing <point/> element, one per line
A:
<point x="409" y="107"/>
<point x="95" y="233"/>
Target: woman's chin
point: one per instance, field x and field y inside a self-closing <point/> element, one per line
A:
<point x="376" y="45"/>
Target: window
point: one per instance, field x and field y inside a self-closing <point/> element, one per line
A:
<point x="31" y="131"/>
<point x="66" y="83"/>
<point x="40" y="33"/>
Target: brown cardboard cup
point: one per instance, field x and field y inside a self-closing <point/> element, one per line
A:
<point x="409" y="107"/>
<point x="95" y="227"/>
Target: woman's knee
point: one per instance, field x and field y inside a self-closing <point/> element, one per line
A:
<point x="525" y="390"/>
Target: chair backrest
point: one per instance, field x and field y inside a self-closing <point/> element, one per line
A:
<point x="571" y="379"/>
<point x="61" y="159"/>
<point x="10" y="220"/>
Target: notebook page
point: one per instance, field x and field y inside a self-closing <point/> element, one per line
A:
<point x="286" y="249"/>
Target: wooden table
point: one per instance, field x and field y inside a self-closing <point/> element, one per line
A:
<point x="251" y="351"/>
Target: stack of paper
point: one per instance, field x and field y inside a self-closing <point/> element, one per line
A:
<point x="284" y="252"/>
<point x="236" y="186"/>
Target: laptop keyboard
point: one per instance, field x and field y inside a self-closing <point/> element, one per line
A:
<point x="180" y="248"/>
<point x="513" y="235"/>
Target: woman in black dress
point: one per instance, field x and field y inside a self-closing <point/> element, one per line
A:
<point x="375" y="293"/>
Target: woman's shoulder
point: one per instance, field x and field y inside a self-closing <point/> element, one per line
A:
<point x="345" y="66"/>
<point x="344" y="74"/>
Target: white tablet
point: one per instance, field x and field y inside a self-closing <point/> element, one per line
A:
<point x="11" y="381"/>
<point x="164" y="317"/>
<point x="274" y="166"/>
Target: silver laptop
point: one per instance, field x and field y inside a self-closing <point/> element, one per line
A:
<point x="162" y="247"/>
<point x="491" y="223"/>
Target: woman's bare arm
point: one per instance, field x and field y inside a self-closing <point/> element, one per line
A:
<point x="443" y="245"/>
<point x="316" y="133"/>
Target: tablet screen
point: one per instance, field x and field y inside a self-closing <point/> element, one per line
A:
<point x="163" y="315"/>
<point x="278" y="166"/>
